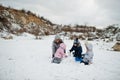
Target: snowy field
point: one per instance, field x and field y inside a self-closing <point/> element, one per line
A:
<point x="31" y="60"/>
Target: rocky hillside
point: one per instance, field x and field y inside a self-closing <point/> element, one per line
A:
<point x="17" y="22"/>
<point x="83" y="32"/>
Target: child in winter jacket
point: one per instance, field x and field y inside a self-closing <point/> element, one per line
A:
<point x="56" y="44"/>
<point x="88" y="56"/>
<point x="77" y="50"/>
<point x="59" y="54"/>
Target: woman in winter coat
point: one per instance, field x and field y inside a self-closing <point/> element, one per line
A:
<point x="56" y="44"/>
<point x="77" y="50"/>
<point x="59" y="54"/>
<point x="88" y="56"/>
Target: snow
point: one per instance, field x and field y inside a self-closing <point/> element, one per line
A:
<point x="25" y="36"/>
<point x="31" y="60"/>
<point x="77" y="33"/>
<point x="3" y="34"/>
<point x="31" y="24"/>
<point x="15" y="26"/>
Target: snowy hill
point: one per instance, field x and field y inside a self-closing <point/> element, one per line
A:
<point x="21" y="23"/>
<point x="31" y="60"/>
<point x="16" y="22"/>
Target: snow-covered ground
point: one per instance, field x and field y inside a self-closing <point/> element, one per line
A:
<point x="31" y="60"/>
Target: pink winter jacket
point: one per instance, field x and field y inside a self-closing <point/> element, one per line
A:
<point x="60" y="51"/>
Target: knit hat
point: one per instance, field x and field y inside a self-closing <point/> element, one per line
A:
<point x="76" y="41"/>
<point x="57" y="37"/>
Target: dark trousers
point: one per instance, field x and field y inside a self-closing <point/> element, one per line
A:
<point x="56" y="60"/>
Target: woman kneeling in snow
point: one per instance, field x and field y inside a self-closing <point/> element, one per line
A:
<point x="59" y="54"/>
<point x="88" y="56"/>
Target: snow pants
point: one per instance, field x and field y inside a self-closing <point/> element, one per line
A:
<point x="56" y="60"/>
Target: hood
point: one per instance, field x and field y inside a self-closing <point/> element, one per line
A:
<point x="89" y="45"/>
<point x="62" y="45"/>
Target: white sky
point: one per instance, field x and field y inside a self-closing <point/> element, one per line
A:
<point x="100" y="13"/>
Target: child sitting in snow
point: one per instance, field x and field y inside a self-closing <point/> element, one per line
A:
<point x="56" y="44"/>
<point x="59" y="54"/>
<point x="88" y="56"/>
<point x="77" y="50"/>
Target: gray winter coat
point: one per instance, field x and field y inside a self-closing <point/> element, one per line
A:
<point x="89" y="54"/>
<point x="55" y="46"/>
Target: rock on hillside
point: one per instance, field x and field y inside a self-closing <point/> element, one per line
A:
<point x="116" y="47"/>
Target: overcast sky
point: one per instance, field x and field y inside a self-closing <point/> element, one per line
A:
<point x="100" y="13"/>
